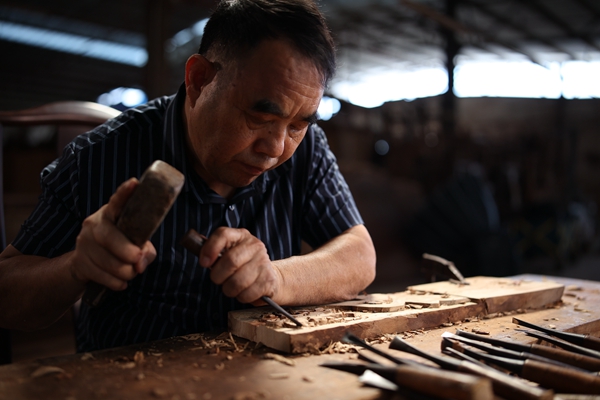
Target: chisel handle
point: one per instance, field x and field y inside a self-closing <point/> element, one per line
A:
<point x="507" y="386"/>
<point x="563" y="380"/>
<point x="443" y="384"/>
<point x="567" y="357"/>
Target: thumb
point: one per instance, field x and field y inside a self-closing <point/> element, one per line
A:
<point x="119" y="198"/>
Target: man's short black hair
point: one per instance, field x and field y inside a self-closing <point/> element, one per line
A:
<point x="238" y="26"/>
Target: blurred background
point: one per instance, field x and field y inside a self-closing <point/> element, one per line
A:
<point x="468" y="129"/>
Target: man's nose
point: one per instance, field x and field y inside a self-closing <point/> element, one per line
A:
<point x="272" y="142"/>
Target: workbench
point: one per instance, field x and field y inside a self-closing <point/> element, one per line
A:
<point x="225" y="367"/>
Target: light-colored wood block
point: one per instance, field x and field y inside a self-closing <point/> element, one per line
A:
<point x="420" y="307"/>
<point x="499" y="294"/>
<point x="250" y="324"/>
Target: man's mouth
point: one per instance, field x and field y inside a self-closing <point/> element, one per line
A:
<point x="253" y="170"/>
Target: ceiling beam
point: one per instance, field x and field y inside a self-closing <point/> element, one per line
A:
<point x="484" y="8"/>
<point x="458" y="27"/>
<point x="540" y="8"/>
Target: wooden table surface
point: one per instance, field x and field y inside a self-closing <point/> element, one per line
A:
<point x="204" y="367"/>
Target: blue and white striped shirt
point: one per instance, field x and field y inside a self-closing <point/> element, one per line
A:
<point x="306" y="198"/>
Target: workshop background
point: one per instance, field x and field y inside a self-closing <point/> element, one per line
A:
<point x="500" y="184"/>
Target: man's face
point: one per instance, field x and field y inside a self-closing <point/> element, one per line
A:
<point x="252" y="115"/>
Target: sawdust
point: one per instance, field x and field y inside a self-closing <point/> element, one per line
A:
<point x="309" y="317"/>
<point x="46" y="370"/>
<point x="280" y="358"/>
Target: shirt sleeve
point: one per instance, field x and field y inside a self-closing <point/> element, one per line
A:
<point x="329" y="208"/>
<point x="52" y="228"/>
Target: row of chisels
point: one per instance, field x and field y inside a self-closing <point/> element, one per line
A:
<point x="478" y="367"/>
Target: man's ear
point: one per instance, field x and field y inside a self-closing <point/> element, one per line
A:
<point x="199" y="72"/>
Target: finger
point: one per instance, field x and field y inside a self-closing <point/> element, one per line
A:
<point x="243" y="278"/>
<point x="262" y="286"/>
<point x="222" y="240"/>
<point x="115" y="278"/>
<point x="106" y="234"/>
<point x="233" y="260"/>
<point x="103" y="261"/>
<point x="149" y="254"/>
<point x="119" y="198"/>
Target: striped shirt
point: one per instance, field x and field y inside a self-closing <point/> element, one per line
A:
<point x="306" y="198"/>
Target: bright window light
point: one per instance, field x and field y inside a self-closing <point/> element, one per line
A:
<point x="581" y="79"/>
<point x="572" y="79"/>
<point x="123" y="98"/>
<point x="506" y="79"/>
<point x="74" y="44"/>
<point x="376" y="88"/>
<point x="328" y="107"/>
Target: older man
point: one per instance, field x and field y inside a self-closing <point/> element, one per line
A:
<point x="260" y="178"/>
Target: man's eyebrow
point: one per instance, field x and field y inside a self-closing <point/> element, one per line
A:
<point x="269" y="107"/>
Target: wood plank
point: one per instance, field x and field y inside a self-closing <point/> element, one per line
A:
<point x="425" y="306"/>
<point x="389" y="302"/>
<point x="500" y="294"/>
<point x="250" y="324"/>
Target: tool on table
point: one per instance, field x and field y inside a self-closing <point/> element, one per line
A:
<point x="193" y="241"/>
<point x="587" y="341"/>
<point x="567" y="357"/>
<point x="143" y="213"/>
<point x="384" y="372"/>
<point x="498" y="351"/>
<point x="564" y="380"/>
<point x="436" y="265"/>
<point x="504" y="385"/>
<point x="429" y="381"/>
<point x="562" y="343"/>
<point x="353" y="339"/>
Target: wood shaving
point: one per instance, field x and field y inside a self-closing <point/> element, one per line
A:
<point x="192" y="337"/>
<point x="251" y="395"/>
<point x="159" y="393"/>
<point x="279" y="375"/>
<point x="87" y="356"/>
<point x="140" y="376"/>
<point x="493" y="315"/>
<point x="138" y="357"/>
<point x="46" y="370"/>
<point x="480" y="331"/>
<point x="232" y="341"/>
<point x="127" y="365"/>
<point x="573" y="288"/>
<point x="220" y="366"/>
<point x="279" y="358"/>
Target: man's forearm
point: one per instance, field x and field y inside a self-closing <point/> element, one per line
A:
<point x="35" y="291"/>
<point x="336" y="271"/>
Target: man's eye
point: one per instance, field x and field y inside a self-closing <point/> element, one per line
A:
<point x="298" y="127"/>
<point x="254" y="121"/>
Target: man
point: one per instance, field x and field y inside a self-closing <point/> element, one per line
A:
<point x="259" y="179"/>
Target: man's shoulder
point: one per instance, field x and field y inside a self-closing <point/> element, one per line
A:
<point x="146" y="118"/>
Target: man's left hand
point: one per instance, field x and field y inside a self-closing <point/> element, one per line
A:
<point x="240" y="263"/>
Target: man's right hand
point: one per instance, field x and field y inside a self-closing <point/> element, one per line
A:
<point x="103" y="254"/>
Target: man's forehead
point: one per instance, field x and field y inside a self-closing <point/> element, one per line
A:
<point x="271" y="107"/>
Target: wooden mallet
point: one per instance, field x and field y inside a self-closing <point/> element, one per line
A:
<point x="143" y="213"/>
